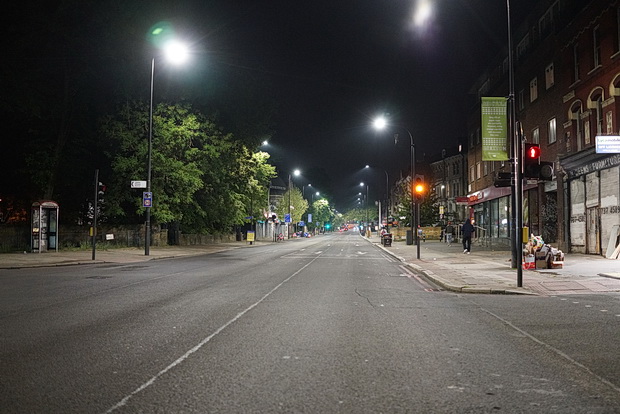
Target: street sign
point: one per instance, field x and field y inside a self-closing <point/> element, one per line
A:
<point x="301" y="223"/>
<point x="138" y="184"/>
<point x="147" y="199"/>
<point x="607" y="144"/>
<point x="287" y="218"/>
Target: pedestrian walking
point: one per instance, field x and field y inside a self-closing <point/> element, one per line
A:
<point x="468" y="230"/>
<point x="449" y="233"/>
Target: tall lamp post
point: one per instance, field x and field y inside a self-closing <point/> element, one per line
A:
<point x="380" y="123"/>
<point x="175" y="52"/>
<point x="387" y="197"/>
<point x="290" y="183"/>
<point x="517" y="156"/>
<point x="368" y="232"/>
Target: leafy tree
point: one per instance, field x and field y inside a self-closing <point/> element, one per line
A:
<point x="299" y="205"/>
<point x="322" y="212"/>
<point x="202" y="179"/>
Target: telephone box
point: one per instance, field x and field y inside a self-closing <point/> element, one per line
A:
<point x="44" y="226"/>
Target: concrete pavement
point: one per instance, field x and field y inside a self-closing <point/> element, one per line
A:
<point x="70" y="257"/>
<point x="489" y="271"/>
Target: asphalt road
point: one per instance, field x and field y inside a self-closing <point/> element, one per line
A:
<point x="330" y="324"/>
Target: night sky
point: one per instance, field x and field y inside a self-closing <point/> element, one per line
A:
<point x="335" y="65"/>
<point x="329" y="66"/>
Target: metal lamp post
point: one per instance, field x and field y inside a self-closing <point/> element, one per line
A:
<point x="387" y="196"/>
<point x="381" y="123"/>
<point x="290" y="182"/>
<point x="367" y="218"/>
<point x="175" y="52"/>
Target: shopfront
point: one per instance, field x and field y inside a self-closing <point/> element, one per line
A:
<point x="592" y="196"/>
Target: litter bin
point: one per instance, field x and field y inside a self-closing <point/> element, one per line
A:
<point x="386" y="240"/>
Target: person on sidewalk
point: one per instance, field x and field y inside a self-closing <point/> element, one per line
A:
<point x="449" y="233"/>
<point x="468" y="231"/>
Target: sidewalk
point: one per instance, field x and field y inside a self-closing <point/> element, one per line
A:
<point x="121" y="255"/>
<point x="489" y="271"/>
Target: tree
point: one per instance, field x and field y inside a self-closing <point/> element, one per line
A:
<point x="203" y="180"/>
<point x="299" y="205"/>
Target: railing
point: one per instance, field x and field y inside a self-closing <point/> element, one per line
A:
<point x="481" y="237"/>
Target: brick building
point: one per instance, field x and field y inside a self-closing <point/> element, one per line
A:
<point x="567" y="77"/>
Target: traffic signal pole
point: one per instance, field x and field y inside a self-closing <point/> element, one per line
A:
<point x="517" y="158"/>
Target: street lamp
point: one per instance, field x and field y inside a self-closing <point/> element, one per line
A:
<point x="380" y="123"/>
<point x="367" y="226"/>
<point x="290" y="182"/>
<point x="387" y="197"/>
<point x="177" y="53"/>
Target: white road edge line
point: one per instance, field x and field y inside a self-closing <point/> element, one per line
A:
<point x="556" y="351"/>
<point x="151" y="381"/>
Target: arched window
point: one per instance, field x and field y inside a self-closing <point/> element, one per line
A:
<point x="574" y="115"/>
<point x="595" y="103"/>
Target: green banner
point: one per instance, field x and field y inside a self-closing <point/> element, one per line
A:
<point x="494" y="129"/>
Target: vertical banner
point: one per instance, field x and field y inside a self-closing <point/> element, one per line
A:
<point x="494" y="129"/>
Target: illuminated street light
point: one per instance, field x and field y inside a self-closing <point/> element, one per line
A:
<point x="174" y="52"/>
<point x="290" y="182"/>
<point x="381" y="123"/>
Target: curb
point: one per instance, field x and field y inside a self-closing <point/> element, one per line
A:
<point x="448" y="285"/>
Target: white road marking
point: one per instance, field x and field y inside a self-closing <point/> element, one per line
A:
<point x="202" y="343"/>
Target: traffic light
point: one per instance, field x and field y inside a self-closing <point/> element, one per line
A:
<point x="101" y="189"/>
<point x="533" y="167"/>
<point x="419" y="188"/>
<point x="531" y="161"/>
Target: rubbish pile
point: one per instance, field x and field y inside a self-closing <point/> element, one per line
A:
<point x="538" y="255"/>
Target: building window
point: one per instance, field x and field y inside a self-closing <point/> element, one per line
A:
<point x="478" y="171"/>
<point x="549" y="79"/>
<point x="552" y="131"/>
<point x="575" y="62"/>
<point x="472" y="176"/>
<point x="477" y="136"/>
<point x="523" y="47"/>
<point x="596" y="38"/>
<point x="533" y="89"/>
<point x="485" y="168"/>
<point x="521" y="100"/>
<point x="536" y="136"/>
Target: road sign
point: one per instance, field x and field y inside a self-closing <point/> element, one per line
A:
<point x="138" y="184"/>
<point x="287" y="218"/>
<point x="147" y="199"/>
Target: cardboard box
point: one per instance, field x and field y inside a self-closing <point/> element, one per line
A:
<point x="541" y="264"/>
<point x="557" y="264"/>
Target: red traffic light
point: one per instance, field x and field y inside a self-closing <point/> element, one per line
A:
<point x="532" y="151"/>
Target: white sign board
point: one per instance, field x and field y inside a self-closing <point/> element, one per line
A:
<point x="138" y="184"/>
<point x="607" y="144"/>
